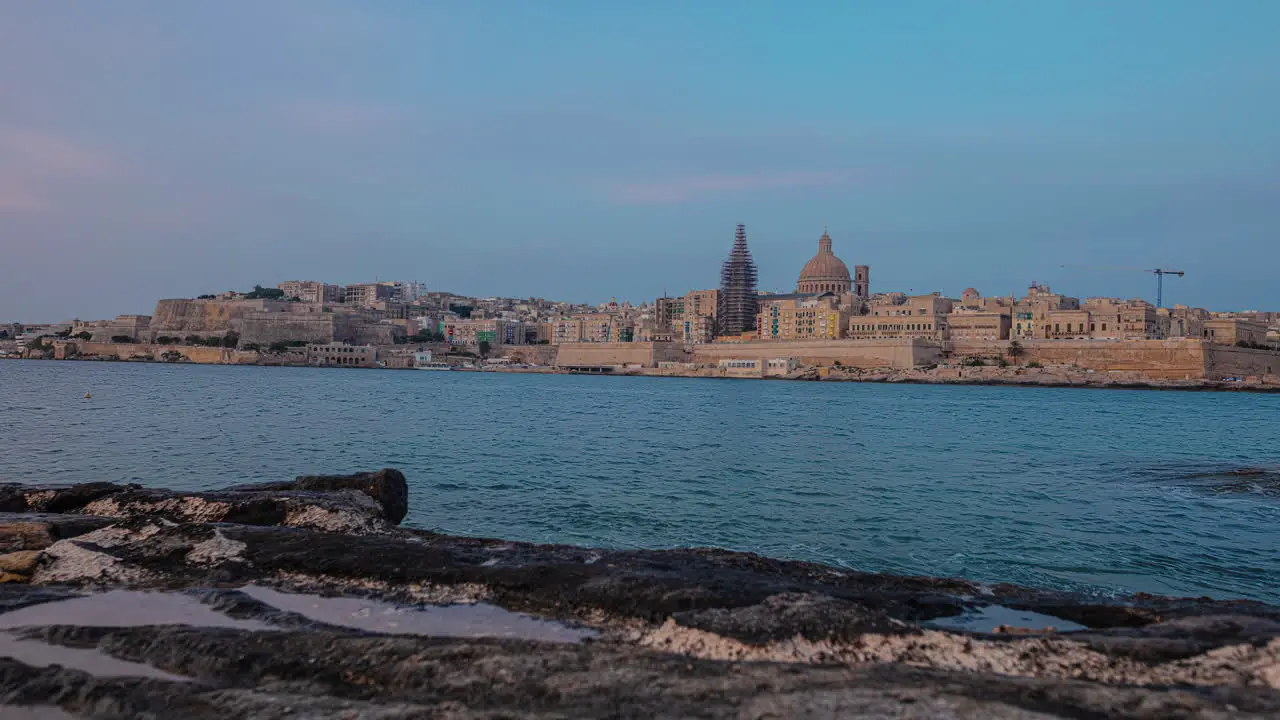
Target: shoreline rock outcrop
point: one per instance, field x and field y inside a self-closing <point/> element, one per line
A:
<point x="624" y="633"/>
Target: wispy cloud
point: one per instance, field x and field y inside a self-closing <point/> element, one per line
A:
<point x="687" y="189"/>
<point x="35" y="166"/>
<point x="338" y="117"/>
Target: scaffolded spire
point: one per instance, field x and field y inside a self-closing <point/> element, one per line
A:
<point x="737" y="303"/>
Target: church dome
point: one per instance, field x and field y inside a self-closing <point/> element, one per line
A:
<point x="825" y="272"/>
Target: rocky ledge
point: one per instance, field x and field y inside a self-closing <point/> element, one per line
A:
<point x="306" y="599"/>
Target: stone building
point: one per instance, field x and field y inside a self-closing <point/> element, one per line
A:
<point x="758" y="367"/>
<point x="1067" y="325"/>
<point x="1115" y="319"/>
<point x="366" y="294"/>
<point x="565" y="330"/>
<point x="1185" y="321"/>
<point x="971" y="299"/>
<point x="342" y="355"/>
<point x="965" y="324"/>
<point x="311" y="291"/>
<point x="826" y="273"/>
<point x="600" y="327"/>
<point x="135" y="327"/>
<point x="537" y="333"/>
<point x="471" y="333"/>
<point x="897" y="316"/>
<point x="862" y="282"/>
<point x="691" y="318"/>
<point x="1031" y="313"/>
<point x="801" y="318"/>
<point x="1229" y="331"/>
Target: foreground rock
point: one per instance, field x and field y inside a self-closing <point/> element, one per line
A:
<point x="553" y="631"/>
<point x="361" y="503"/>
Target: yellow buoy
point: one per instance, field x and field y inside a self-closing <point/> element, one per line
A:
<point x="87" y="396"/>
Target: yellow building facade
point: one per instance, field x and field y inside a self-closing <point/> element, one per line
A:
<point x="795" y="320"/>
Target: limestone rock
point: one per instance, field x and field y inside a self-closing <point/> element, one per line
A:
<point x="333" y="509"/>
<point x="36" y="531"/>
<point x="22" y="562"/>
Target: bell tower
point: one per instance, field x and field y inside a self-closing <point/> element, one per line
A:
<point x="862" y="281"/>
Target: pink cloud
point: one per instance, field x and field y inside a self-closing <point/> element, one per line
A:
<point x="15" y="199"/>
<point x="36" y="166"/>
<point x="46" y="154"/>
<point x="686" y="189"/>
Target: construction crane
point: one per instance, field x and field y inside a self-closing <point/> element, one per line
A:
<point x="1160" y="283"/>
<point x="1158" y="272"/>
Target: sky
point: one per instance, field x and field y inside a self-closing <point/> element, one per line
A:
<point x="582" y="150"/>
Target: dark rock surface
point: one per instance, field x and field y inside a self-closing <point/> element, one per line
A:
<point x="1265" y="481"/>
<point x="366" y="502"/>
<point x="324" y="675"/>
<point x="387" y="486"/>
<point x="677" y="633"/>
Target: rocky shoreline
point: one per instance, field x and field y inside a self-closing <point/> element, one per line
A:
<point x="992" y="377"/>
<point x="307" y="599"/>
<point x="1062" y="380"/>
<point x="1053" y="377"/>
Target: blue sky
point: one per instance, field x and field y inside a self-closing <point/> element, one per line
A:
<point x="582" y="149"/>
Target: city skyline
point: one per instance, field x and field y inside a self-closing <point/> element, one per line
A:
<point x="158" y="150"/>
<point x="1145" y="278"/>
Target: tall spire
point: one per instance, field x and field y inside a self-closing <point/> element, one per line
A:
<point x="736" y="309"/>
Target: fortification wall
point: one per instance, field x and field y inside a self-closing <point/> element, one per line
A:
<point x="104" y="334"/>
<point x="264" y="328"/>
<point x="203" y="355"/>
<point x="532" y="354"/>
<point x="358" y="332"/>
<point x="645" y="354"/>
<point x="1180" y="359"/>
<point x="199" y="317"/>
<point x="896" y="353"/>
<point x="181" y="317"/>
<point x="1230" y="361"/>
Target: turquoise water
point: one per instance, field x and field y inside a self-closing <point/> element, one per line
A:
<point x="1077" y="489"/>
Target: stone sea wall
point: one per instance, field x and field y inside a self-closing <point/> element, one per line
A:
<point x="1228" y="360"/>
<point x="904" y="353"/>
<point x="646" y="354"/>
<point x="65" y="350"/>
<point x="1175" y="359"/>
<point x="1165" y="359"/>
